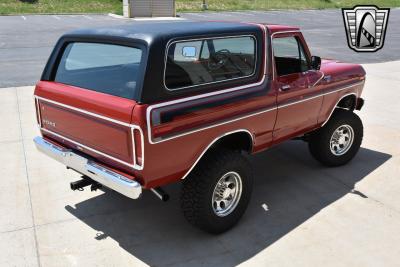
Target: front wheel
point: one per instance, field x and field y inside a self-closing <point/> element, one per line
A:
<point x="339" y="140"/>
<point x="215" y="195"/>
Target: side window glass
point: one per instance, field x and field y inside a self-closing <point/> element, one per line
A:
<point x="192" y="63"/>
<point x="289" y="56"/>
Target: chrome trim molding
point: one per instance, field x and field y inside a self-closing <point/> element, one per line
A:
<point x="132" y="127"/>
<point x="216" y="125"/>
<point x="319" y="95"/>
<point x="150" y="108"/>
<point x="294" y="31"/>
<point x="213" y="142"/>
<point x="104" y="176"/>
<point x="83" y="111"/>
<point x="209" y="38"/>
<point x="247" y="116"/>
<point x="343" y="96"/>
<point x="92" y="149"/>
<point x="300" y="101"/>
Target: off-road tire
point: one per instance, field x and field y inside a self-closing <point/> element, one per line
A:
<point x="198" y="188"/>
<point x="319" y="141"/>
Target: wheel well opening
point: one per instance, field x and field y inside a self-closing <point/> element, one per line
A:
<point x="241" y="141"/>
<point x="349" y="102"/>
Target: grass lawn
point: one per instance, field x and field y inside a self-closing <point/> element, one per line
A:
<point x="219" y="5"/>
<point x="115" y="6"/>
<point x="60" y="6"/>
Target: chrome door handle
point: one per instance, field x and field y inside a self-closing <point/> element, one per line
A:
<point x="285" y="87"/>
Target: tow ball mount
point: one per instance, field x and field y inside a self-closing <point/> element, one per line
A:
<point x="82" y="183"/>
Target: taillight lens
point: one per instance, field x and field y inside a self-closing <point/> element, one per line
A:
<point x="138" y="147"/>
<point x="37" y="106"/>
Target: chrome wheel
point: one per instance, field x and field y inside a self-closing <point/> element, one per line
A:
<point x="341" y="140"/>
<point x="227" y="194"/>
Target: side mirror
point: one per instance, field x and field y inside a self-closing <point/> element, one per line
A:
<point x="315" y="63"/>
<point x="189" y="51"/>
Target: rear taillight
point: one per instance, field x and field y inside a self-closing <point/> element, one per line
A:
<point x="138" y="148"/>
<point x="37" y="107"/>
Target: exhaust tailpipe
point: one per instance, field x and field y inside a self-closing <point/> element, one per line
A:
<point x="160" y="193"/>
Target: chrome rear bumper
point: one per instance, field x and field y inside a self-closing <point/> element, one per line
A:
<point x="104" y="176"/>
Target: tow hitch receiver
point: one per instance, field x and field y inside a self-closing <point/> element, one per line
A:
<point x="85" y="181"/>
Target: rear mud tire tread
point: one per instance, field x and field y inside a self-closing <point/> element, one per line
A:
<point x="199" y="185"/>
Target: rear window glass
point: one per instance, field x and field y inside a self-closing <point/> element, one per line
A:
<point x="197" y="62"/>
<point x="105" y="68"/>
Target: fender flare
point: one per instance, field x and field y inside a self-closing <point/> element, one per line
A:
<point x="213" y="142"/>
<point x="336" y="105"/>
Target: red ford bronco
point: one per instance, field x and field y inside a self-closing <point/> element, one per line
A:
<point x="142" y="105"/>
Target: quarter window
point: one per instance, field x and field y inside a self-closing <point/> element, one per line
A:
<point x="289" y="56"/>
<point x="192" y="63"/>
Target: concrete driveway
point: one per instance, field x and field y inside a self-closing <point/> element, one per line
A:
<point x="315" y="216"/>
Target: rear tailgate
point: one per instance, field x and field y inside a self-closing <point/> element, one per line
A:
<point x="94" y="123"/>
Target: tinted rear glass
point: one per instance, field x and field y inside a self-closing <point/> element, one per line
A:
<point x="105" y="68"/>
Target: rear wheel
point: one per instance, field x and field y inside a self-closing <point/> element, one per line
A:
<point x="215" y="195"/>
<point x="339" y="140"/>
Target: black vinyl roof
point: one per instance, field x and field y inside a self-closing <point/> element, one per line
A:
<point x="152" y="36"/>
<point x="150" y="30"/>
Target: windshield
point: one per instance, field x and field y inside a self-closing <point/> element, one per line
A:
<point x="106" y="68"/>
